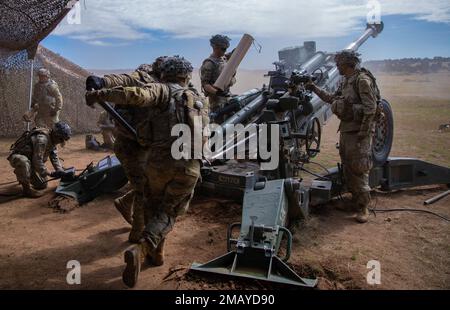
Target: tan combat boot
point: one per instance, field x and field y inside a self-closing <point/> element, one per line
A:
<point x="363" y="215"/>
<point x="157" y="256"/>
<point x="30" y="192"/>
<point x="134" y="257"/>
<point x="124" y="205"/>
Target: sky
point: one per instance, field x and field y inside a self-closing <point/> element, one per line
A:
<point x="121" y="34"/>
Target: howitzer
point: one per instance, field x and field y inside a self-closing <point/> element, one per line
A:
<point x="272" y="199"/>
<point x="302" y="114"/>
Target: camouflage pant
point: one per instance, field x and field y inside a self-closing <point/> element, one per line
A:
<point x="25" y="173"/>
<point x="356" y="157"/>
<point x="167" y="195"/>
<point x="133" y="158"/>
<point x="108" y="138"/>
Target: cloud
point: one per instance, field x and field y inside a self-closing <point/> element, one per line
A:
<point x="104" y="20"/>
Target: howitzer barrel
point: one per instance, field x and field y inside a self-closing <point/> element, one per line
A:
<point x="313" y="63"/>
<point x="245" y="113"/>
<point x="372" y="30"/>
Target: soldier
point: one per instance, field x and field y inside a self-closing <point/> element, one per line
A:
<point x="170" y="183"/>
<point x="106" y="128"/>
<point x="130" y="152"/>
<point x="30" y="152"/>
<point x="210" y="71"/>
<point x="46" y="102"/>
<point x="355" y="104"/>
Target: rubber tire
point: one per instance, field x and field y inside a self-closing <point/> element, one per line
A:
<point x="379" y="157"/>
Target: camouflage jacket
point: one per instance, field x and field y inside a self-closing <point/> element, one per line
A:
<point x="47" y="99"/>
<point x="210" y="72"/>
<point x="133" y="115"/>
<point x="168" y="105"/>
<point x="37" y="146"/>
<point x="355" y="102"/>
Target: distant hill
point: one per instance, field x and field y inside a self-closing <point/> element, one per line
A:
<point x="410" y="65"/>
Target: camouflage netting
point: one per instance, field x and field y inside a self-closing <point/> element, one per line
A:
<point x="23" y="24"/>
<point x="15" y="83"/>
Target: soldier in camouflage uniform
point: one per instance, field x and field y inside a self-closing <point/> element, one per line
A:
<point x="46" y="102"/>
<point x="210" y="71"/>
<point x="131" y="153"/>
<point x="169" y="183"/>
<point x="106" y="125"/>
<point x="30" y="152"/>
<point x="355" y="104"/>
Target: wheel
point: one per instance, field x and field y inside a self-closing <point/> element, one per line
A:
<point x="313" y="136"/>
<point x="384" y="134"/>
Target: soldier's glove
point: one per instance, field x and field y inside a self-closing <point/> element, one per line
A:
<point x="213" y="115"/>
<point x="26" y="117"/>
<point x="94" y="83"/>
<point x="221" y="93"/>
<point x="58" y="174"/>
<point x="92" y="97"/>
<point x="310" y="86"/>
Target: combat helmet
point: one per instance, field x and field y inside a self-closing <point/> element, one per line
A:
<point x="145" y="68"/>
<point x="220" y="41"/>
<point x="43" y="72"/>
<point x="348" y="57"/>
<point x="176" y="66"/>
<point x="156" y="65"/>
<point x="62" y="130"/>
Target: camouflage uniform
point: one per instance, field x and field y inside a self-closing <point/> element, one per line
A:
<point x="170" y="183"/>
<point x="106" y="127"/>
<point x="131" y="154"/>
<point x="210" y="71"/>
<point x="355" y="104"/>
<point x="47" y="103"/>
<point x="28" y="156"/>
<point x="169" y="190"/>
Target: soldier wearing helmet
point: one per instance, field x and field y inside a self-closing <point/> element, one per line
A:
<point x="210" y="71"/>
<point x="354" y="103"/>
<point x="170" y="182"/>
<point x="46" y="102"/>
<point x="131" y="153"/>
<point x="30" y="152"/>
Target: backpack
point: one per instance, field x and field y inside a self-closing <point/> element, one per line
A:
<point x="23" y="144"/>
<point x="374" y="86"/>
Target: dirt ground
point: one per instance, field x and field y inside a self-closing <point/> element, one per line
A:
<point x="413" y="249"/>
